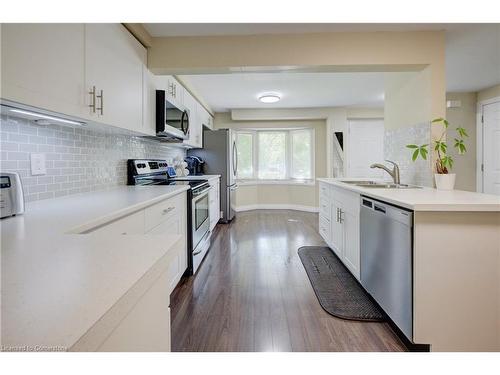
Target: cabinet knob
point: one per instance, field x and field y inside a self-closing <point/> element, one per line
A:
<point x="167" y="210"/>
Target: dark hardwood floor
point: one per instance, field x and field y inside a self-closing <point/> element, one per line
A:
<point x="252" y="293"/>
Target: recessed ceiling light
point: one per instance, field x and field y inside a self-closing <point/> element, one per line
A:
<point x="270" y="98"/>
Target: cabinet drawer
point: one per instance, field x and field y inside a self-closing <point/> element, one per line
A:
<point x="324" y="229"/>
<point x="325" y="208"/>
<point x="174" y="225"/>
<point x="131" y="224"/>
<point x="163" y="211"/>
<point x="324" y="190"/>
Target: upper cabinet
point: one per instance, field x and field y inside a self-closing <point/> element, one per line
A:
<point x="174" y="91"/>
<point x="43" y="66"/>
<point x="114" y="62"/>
<point x="192" y="106"/>
<point x="96" y="72"/>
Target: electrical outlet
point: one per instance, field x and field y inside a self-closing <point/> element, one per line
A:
<point x="38" y="164"/>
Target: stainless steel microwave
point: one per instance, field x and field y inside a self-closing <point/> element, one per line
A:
<point x="172" y="122"/>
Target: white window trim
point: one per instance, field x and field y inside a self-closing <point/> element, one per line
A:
<point x="288" y="180"/>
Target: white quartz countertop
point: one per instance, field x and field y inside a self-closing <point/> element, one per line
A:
<point x="425" y="199"/>
<point x="57" y="285"/>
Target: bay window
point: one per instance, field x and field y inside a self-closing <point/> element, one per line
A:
<point x="275" y="155"/>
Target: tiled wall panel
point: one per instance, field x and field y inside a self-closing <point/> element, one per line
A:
<point x="77" y="159"/>
<point x="395" y="141"/>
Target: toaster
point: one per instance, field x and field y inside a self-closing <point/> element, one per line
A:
<point x="11" y="194"/>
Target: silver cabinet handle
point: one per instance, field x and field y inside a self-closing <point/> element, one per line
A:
<point x="101" y="97"/>
<point x="341" y="217"/>
<point x="167" y="210"/>
<point x="92" y="99"/>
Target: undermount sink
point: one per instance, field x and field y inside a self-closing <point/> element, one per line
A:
<point x="379" y="185"/>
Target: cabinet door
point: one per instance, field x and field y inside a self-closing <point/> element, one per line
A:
<point x="192" y="107"/>
<point x="114" y="62"/>
<point x="149" y="102"/>
<point x="337" y="232"/>
<point x="350" y="223"/>
<point x="43" y="66"/>
<point x="214" y="198"/>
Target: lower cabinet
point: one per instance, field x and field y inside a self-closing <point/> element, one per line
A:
<point x="214" y="202"/>
<point x="146" y="327"/>
<point x="343" y="219"/>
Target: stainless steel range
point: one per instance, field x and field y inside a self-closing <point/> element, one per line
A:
<point x="158" y="172"/>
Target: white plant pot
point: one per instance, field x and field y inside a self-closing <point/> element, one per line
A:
<point x="445" y="181"/>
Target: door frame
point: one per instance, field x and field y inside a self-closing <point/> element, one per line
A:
<point x="480" y="142"/>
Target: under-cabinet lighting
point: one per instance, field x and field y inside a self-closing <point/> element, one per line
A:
<point x="46" y="117"/>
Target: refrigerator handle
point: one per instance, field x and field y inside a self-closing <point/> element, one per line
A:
<point x="235" y="158"/>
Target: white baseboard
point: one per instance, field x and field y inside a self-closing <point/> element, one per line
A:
<point x="296" y="207"/>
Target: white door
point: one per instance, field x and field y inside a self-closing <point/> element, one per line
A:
<point x="114" y="62"/>
<point x="491" y="148"/>
<point x="42" y="66"/>
<point x="366" y="146"/>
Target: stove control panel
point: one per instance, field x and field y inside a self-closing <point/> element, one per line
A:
<point x="148" y="166"/>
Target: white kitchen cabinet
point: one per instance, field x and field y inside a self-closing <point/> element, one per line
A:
<point x="43" y="66"/>
<point x="195" y="126"/>
<point x="149" y="102"/>
<point x="337" y="231"/>
<point x="114" y="62"/>
<point x="146" y="328"/>
<point x="214" y="202"/>
<point x="339" y="224"/>
<point x="351" y="244"/>
<point x="174" y="91"/>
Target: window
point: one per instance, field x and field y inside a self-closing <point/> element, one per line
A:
<point x="270" y="154"/>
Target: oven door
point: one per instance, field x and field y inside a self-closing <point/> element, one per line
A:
<point x="200" y="216"/>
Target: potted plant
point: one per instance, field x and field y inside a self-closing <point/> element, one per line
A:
<point x="444" y="162"/>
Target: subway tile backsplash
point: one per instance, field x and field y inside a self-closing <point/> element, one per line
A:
<point x="395" y="141"/>
<point x="77" y="159"/>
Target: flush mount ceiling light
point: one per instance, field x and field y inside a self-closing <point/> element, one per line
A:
<point x="269" y="98"/>
<point x="42" y="119"/>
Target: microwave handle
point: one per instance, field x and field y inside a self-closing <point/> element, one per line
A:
<point x="183" y="118"/>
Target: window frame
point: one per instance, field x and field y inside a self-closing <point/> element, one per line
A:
<point x="288" y="180"/>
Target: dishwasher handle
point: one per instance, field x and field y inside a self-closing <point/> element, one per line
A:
<point x="402" y="215"/>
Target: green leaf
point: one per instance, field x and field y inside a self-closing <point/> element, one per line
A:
<point x="415" y="154"/>
<point x="412" y="146"/>
<point x="447" y="161"/>
<point x="438" y="119"/>
<point x="462" y="132"/>
<point x="423" y="153"/>
<point x="446" y="123"/>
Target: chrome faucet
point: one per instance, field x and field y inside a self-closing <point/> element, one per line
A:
<point x="394" y="173"/>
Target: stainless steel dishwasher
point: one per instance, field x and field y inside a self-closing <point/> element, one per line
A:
<point x="386" y="259"/>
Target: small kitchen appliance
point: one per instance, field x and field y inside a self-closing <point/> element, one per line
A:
<point x="11" y="194"/>
<point x="194" y="165"/>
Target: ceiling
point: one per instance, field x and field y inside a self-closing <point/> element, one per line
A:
<point x="297" y="90"/>
<point x="472" y="64"/>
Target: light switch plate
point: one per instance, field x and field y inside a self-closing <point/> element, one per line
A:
<point x="38" y="164"/>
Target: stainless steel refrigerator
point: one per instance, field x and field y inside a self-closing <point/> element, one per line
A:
<point x="221" y="157"/>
